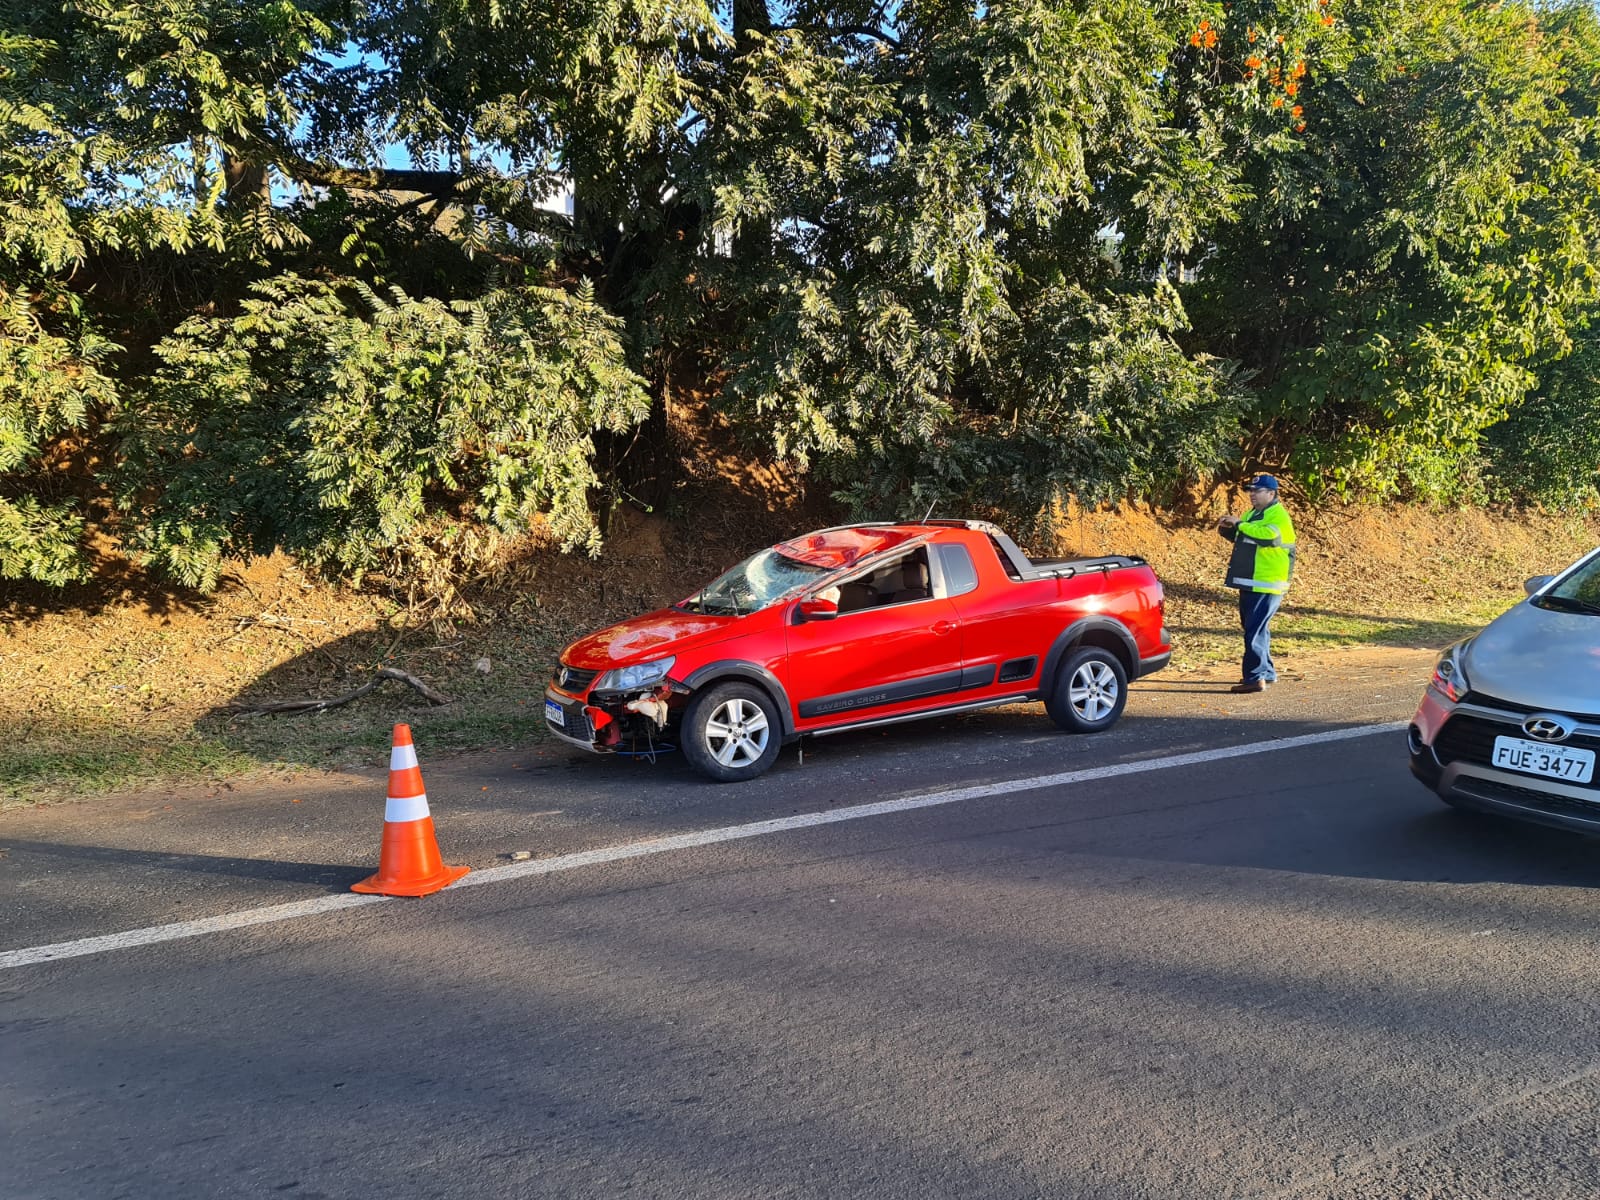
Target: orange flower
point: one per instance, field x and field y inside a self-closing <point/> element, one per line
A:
<point x="1277" y="102"/>
<point x="1252" y="62"/>
<point x="1194" y="39"/>
<point x="1300" y="128"/>
<point x="1251" y="34"/>
<point x="1401" y="67"/>
<point x="1279" y="39"/>
<point x="1327" y="20"/>
<point x="1204" y="25"/>
<point x="1276" y="76"/>
<point x="1299" y="70"/>
<point x="1291" y="88"/>
<point x="1296" y="111"/>
<point x="1211" y="38"/>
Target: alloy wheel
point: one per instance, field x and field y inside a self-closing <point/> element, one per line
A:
<point x="1093" y="691"/>
<point x="737" y="732"/>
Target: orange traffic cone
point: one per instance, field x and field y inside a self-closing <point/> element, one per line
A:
<point x="409" y="864"/>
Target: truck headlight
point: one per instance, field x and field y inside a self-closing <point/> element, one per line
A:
<point x="625" y="679"/>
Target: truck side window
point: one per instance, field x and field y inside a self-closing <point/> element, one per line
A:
<point x="960" y="576"/>
<point x="1009" y="567"/>
<point x="899" y="582"/>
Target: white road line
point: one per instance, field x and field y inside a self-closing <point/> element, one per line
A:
<point x="33" y="955"/>
<point x="183" y="929"/>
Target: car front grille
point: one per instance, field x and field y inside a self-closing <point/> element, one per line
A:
<point x="1469" y="739"/>
<point x="573" y="679"/>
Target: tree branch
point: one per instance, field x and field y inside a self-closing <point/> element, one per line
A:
<point x="381" y="179"/>
<point x="864" y="31"/>
<point x="304" y="706"/>
<point x="841" y="31"/>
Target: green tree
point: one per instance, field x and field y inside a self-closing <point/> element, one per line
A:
<point x="946" y="316"/>
<point x="1420" y="243"/>
<point x="53" y="383"/>
<point x="345" y="438"/>
<point x="973" y="256"/>
<point x="1548" y="449"/>
<point x="220" y="143"/>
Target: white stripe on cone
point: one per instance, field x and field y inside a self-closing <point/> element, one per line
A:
<point x="406" y="808"/>
<point x="401" y="757"/>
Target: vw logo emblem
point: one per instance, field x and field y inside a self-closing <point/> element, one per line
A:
<point x="1548" y="727"/>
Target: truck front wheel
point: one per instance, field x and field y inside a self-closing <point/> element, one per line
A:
<point x="731" y="732"/>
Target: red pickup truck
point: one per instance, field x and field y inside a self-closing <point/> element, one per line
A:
<point x="862" y="625"/>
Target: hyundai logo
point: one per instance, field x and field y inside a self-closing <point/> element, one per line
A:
<point x="1548" y="727"/>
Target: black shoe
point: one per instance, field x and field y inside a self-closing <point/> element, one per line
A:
<point x="1249" y="685"/>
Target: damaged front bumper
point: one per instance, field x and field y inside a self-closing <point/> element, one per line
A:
<point x="615" y="721"/>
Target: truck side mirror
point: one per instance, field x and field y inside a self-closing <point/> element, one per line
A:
<point x="815" y="608"/>
<point x="1534" y="584"/>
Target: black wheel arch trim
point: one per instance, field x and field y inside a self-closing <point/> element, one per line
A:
<point x="731" y="669"/>
<point x="1074" y="633"/>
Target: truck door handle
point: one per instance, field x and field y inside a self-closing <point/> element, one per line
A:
<point x="943" y="627"/>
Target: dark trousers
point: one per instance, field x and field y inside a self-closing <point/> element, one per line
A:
<point x="1255" y="614"/>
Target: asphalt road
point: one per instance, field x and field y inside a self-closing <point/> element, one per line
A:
<point x="120" y="862"/>
<point x="1284" y="974"/>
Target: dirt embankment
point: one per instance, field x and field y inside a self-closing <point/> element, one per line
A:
<point x="128" y="681"/>
<point x="1394" y="575"/>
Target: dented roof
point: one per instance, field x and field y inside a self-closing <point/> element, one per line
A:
<point x="832" y="549"/>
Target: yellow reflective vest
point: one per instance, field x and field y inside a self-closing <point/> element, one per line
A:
<point x="1263" y="551"/>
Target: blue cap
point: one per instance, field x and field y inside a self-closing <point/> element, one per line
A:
<point x="1264" y="481"/>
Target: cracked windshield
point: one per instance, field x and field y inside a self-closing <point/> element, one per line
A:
<point x="758" y="581"/>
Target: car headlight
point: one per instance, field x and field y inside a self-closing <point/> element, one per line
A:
<point x="1449" y="673"/>
<point x="623" y="679"/>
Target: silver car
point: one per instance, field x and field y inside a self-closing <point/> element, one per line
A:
<point x="1510" y="723"/>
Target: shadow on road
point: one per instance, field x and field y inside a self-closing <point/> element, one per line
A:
<point x="1419" y="841"/>
<point x="338" y="876"/>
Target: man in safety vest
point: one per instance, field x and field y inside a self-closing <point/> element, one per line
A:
<point x="1261" y="566"/>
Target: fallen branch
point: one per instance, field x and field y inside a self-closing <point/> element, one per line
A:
<point x="273" y="621"/>
<point x="305" y="706"/>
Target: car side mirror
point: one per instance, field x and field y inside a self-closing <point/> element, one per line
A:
<point x="815" y="608"/>
<point x="1538" y="581"/>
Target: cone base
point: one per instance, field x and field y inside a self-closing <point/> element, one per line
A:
<point x="377" y="885"/>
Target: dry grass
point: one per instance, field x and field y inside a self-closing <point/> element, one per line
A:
<point x="1365" y="574"/>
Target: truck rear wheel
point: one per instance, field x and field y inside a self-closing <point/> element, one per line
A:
<point x="1090" y="691"/>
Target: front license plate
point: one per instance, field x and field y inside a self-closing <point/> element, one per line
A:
<point x="1537" y="758"/>
<point x="553" y="714"/>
